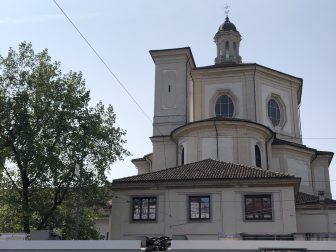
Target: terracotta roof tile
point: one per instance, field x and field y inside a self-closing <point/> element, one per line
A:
<point x="207" y="169"/>
<point x="305" y="198"/>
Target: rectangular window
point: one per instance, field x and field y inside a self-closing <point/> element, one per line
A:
<point x="258" y="207"/>
<point x="144" y="209"/>
<point x="199" y="207"/>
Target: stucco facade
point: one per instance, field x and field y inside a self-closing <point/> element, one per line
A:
<point x="226" y="213"/>
<point x="242" y="116"/>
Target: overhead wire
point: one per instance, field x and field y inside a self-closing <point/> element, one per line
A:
<point x="143" y="111"/>
<point x="115" y="77"/>
<point x="149" y="119"/>
<point x="132" y="97"/>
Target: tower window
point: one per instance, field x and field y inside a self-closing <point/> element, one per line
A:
<point x="257" y="156"/>
<point x="227" y="51"/>
<point x="224" y="106"/>
<point x="169" y="88"/>
<point x="274" y="112"/>
<point x="234" y="49"/>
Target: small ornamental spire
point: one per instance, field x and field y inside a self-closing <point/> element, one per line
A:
<point x="227" y="10"/>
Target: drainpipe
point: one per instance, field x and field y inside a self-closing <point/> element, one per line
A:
<point x="186" y="81"/>
<point x="255" y="99"/>
<point x="266" y="147"/>
<point x="176" y="159"/>
<point x="216" y="138"/>
<point x="311" y="172"/>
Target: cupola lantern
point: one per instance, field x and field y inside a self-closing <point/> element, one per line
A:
<point x="227" y="40"/>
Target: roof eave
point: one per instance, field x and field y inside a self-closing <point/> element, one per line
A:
<point x="169" y="51"/>
<point x="206" y="183"/>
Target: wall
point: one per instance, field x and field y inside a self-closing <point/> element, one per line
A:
<point x="296" y="162"/>
<point x="171" y="90"/>
<point x="102" y="224"/>
<point x="164" y="153"/>
<point x="235" y="141"/>
<point x="320" y="173"/>
<point x="226" y="211"/>
<point x="284" y="90"/>
<point x="208" y="86"/>
<point x="316" y="221"/>
<point x="254" y="246"/>
<point x="250" y="88"/>
<point x="69" y="246"/>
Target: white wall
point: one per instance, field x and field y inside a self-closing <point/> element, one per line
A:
<point x="212" y="87"/>
<point x="103" y="226"/>
<point x="236" y="142"/>
<point x="266" y="92"/>
<point x="315" y="221"/>
<point x="295" y="162"/>
<point x="227" y="213"/>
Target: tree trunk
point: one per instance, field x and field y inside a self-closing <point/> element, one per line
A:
<point x="25" y="206"/>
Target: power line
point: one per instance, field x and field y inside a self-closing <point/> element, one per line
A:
<point x="129" y="93"/>
<point x="104" y="63"/>
<point x="138" y="105"/>
<point x="115" y="77"/>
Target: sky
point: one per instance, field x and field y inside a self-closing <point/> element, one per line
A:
<point x="297" y="37"/>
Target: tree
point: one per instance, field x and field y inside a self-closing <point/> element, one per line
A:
<point x="47" y="129"/>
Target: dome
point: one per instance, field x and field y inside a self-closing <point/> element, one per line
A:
<point x="227" y="26"/>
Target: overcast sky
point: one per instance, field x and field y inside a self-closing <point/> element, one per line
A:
<point x="295" y="37"/>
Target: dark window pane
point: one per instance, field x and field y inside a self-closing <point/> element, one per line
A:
<point x="257" y="156"/>
<point x="217" y="109"/>
<point x="136" y="213"/>
<point x="224" y="106"/>
<point x="266" y="202"/>
<point x="152" y="212"/>
<point x="274" y="112"/>
<point x="199" y="207"/>
<point x="258" y="207"/>
<point x="144" y="208"/>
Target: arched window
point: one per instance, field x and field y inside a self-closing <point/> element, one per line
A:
<point x="222" y="50"/>
<point x="257" y="156"/>
<point x="182" y="156"/>
<point x="227" y="51"/>
<point x="274" y="112"/>
<point x="224" y="106"/>
<point x="234" y="49"/>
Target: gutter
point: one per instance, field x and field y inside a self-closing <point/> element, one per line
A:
<point x="255" y="99"/>
<point x="266" y="148"/>
<point x="216" y="138"/>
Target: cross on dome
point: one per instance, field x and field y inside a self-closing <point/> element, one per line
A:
<point x="227" y="10"/>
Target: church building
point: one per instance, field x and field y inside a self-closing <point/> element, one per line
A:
<point x="228" y="159"/>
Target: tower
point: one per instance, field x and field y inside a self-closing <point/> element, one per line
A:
<point x="227" y="40"/>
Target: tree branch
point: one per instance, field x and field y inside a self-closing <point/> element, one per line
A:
<point x="57" y="200"/>
<point x="12" y="181"/>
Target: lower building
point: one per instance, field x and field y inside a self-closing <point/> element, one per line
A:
<point x="218" y="200"/>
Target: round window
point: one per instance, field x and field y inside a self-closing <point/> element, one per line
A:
<point x="224" y="106"/>
<point x="274" y="112"/>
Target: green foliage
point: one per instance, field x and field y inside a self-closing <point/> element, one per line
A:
<point x="47" y="129"/>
